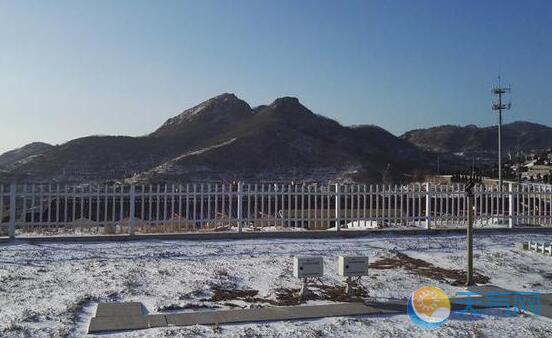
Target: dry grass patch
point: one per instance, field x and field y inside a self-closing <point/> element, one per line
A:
<point x="426" y="269"/>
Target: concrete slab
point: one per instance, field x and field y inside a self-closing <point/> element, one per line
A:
<point x="546" y="305"/>
<point x="133" y="316"/>
<point x="159" y="320"/>
<point x="545" y="298"/>
<point x="124" y="323"/>
<point x="487" y="288"/>
<point x="271" y="314"/>
<point x="121" y="323"/>
<point x="131" y="309"/>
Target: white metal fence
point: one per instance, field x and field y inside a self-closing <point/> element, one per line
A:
<point x="38" y="209"/>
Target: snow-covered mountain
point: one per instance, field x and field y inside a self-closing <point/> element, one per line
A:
<point x="224" y="138"/>
<point x="516" y="136"/>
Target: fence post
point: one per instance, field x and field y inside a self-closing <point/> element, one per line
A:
<point x="469" y="228"/>
<point x="13" y="210"/>
<point x="337" y="206"/>
<point x="511" y="220"/>
<point x="240" y="206"/>
<point x="428" y="205"/>
<point x="132" y="216"/>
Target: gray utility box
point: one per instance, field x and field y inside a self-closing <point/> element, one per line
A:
<point x="352" y="266"/>
<point x="306" y="267"/>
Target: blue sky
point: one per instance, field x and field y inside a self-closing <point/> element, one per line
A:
<point x="76" y="68"/>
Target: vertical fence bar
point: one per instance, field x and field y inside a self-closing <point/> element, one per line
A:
<point x="216" y="206"/>
<point x="271" y="221"/>
<point x="201" y="209"/>
<point x="122" y="206"/>
<point x="364" y="195"/>
<point x="188" y="204"/>
<point x="407" y="204"/>
<point x="106" y="203"/>
<point x="337" y="206"/>
<point x="263" y="213"/>
<point x="132" y="210"/>
<point x="345" y="195"/>
<point x="194" y="206"/>
<point x="172" y="216"/>
<point x="428" y="206"/>
<point x="318" y="221"/>
<point x="13" y="210"/>
<point x="377" y="196"/>
<point x="113" y="206"/>
<point x="255" y="219"/>
<point x="395" y="203"/>
<point x="282" y="206"/>
<point x="511" y="220"/>
<point x="240" y="206"/>
<point x="56" y="204"/>
<point x="33" y="206"/>
<point x="289" y="205"/>
<point x="250" y="195"/>
<point x="48" y="207"/>
<point x="302" y="222"/>
<point x="97" y="206"/>
<point x="24" y="207"/>
<point x="371" y="205"/>
<point x="329" y="216"/>
<point x="295" y="205"/>
<point x="2" y="203"/>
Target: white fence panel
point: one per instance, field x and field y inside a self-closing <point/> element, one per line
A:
<point x="57" y="209"/>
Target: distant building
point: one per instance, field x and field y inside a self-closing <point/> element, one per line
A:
<point x="538" y="172"/>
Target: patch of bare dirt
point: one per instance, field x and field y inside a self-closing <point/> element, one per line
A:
<point x="228" y="294"/>
<point x="426" y="269"/>
<point x="285" y="296"/>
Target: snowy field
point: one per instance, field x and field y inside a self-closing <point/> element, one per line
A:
<point x="52" y="289"/>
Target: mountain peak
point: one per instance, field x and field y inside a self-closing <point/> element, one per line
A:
<point x="288" y="108"/>
<point x="287" y="100"/>
<point x="224" y="97"/>
<point x="525" y="124"/>
<point x="225" y="107"/>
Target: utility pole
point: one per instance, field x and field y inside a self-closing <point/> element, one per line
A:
<point x="499" y="105"/>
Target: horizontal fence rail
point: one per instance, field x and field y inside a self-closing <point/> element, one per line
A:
<point x="51" y="209"/>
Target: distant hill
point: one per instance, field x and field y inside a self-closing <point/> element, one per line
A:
<point x="470" y="139"/>
<point x="24" y="153"/>
<point x="224" y="138"/>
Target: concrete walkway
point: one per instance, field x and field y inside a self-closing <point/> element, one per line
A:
<point x="134" y="316"/>
<point x="545" y="298"/>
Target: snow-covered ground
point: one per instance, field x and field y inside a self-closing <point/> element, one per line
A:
<point x="52" y="289"/>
